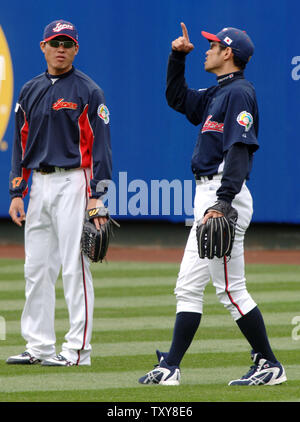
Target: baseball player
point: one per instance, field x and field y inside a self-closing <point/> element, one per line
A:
<point x="62" y="138"/>
<point x="221" y="163"/>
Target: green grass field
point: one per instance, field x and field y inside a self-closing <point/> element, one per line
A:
<point x="134" y="315"/>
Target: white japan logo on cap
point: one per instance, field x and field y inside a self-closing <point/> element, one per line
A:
<point x="227" y="40"/>
<point x="60" y="26"/>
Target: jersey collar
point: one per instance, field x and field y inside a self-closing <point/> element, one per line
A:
<point x="229" y="77"/>
<point x="63" y="75"/>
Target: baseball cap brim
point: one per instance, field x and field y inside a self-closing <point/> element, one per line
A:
<point x="58" y="35"/>
<point x="210" y="37"/>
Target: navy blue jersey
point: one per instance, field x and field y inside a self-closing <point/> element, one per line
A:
<point x="61" y="121"/>
<point x="227" y="113"/>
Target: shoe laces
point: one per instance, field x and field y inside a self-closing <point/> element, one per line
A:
<point x="251" y="371"/>
<point x="60" y="357"/>
<point x="63" y="359"/>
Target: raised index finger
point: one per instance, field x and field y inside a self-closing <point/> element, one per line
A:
<point x="184" y="31"/>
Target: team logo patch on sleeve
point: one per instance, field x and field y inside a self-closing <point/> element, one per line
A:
<point x="103" y="113"/>
<point x="245" y="119"/>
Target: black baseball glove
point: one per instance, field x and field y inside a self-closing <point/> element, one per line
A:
<point x="94" y="243"/>
<point x="216" y="236"/>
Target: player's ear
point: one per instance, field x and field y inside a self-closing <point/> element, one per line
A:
<point x="76" y="49"/>
<point x="228" y="53"/>
<point x="42" y="46"/>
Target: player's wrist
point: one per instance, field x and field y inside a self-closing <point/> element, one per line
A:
<point x="226" y="198"/>
<point x="17" y="195"/>
<point x="179" y="55"/>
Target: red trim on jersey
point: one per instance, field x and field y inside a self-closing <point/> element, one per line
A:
<point x="24" y="136"/>
<point x="88" y="188"/>
<point x="86" y="139"/>
<point x="25" y="176"/>
<point x="227" y="287"/>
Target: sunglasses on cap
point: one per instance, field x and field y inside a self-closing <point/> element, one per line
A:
<point x="57" y="43"/>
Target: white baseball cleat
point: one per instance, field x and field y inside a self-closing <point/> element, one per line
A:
<point x="263" y="372"/>
<point x="162" y="373"/>
<point x="58" y="360"/>
<point x="24" y="358"/>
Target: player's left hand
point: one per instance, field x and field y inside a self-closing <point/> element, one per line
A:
<point x="211" y="214"/>
<point x="96" y="203"/>
<point x="215" y="234"/>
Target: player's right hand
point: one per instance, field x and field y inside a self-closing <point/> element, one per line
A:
<point x="183" y="43"/>
<point x="94" y="203"/>
<point x="16" y="211"/>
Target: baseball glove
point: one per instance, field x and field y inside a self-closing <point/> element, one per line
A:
<point x="216" y="236"/>
<point x="94" y="243"/>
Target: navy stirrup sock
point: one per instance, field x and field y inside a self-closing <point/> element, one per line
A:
<point x="186" y="325"/>
<point x="253" y="327"/>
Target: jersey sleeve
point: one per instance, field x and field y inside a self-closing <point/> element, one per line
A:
<point x="190" y="102"/>
<point x="236" y="170"/>
<point x="241" y="120"/>
<point x="101" y="163"/>
<point x="18" y="177"/>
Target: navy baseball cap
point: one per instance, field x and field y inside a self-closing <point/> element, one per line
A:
<point x="238" y="40"/>
<point x="60" y="27"/>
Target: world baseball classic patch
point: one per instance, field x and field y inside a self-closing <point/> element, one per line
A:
<point x="245" y="119"/>
<point x="103" y="113"/>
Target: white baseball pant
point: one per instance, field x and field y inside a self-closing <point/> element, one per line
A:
<point x="52" y="242"/>
<point x="227" y="275"/>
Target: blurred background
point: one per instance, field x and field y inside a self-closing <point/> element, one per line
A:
<point x="124" y="47"/>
